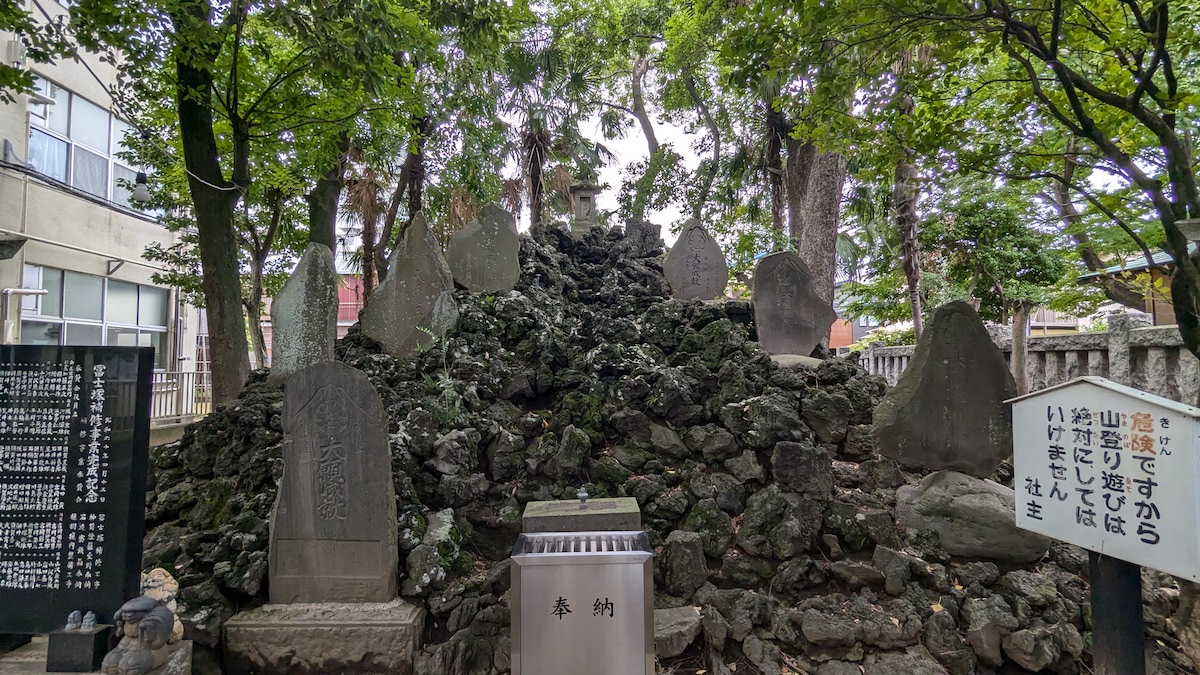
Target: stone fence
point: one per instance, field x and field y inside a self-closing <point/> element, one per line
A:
<point x="1152" y="359"/>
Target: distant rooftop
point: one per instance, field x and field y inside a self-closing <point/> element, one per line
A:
<point x="1138" y="264"/>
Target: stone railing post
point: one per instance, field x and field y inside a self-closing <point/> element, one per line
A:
<point x="872" y="364"/>
<point x="1119" y="326"/>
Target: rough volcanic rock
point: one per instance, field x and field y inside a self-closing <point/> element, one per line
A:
<point x="973" y="518"/>
<point x="587" y="373"/>
<point x="675" y="630"/>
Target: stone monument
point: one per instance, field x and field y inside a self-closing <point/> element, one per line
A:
<point x="947" y="412"/>
<point x="333" y="532"/>
<point x="406" y="301"/>
<point x="695" y="267"/>
<point x="333" y="557"/>
<point x="304" y="315"/>
<point x="484" y="255"/>
<point x="790" y="317"/>
<point x="72" y="483"/>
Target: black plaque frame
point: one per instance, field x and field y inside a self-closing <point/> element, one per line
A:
<point x="128" y="391"/>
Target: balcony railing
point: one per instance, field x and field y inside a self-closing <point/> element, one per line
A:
<point x="348" y="312"/>
<point x="180" y="397"/>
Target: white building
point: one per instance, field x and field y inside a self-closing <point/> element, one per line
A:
<point x="67" y="226"/>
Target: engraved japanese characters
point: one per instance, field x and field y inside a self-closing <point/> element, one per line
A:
<point x="695" y="267"/>
<point x="333" y="532"/>
<point x="74" y="427"/>
<point x="483" y="256"/>
<point x="790" y="317"/>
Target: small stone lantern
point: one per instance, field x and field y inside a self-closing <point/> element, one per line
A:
<point x="585" y="207"/>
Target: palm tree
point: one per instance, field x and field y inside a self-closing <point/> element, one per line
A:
<point x="550" y="93"/>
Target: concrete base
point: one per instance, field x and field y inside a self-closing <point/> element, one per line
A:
<point x="618" y="514"/>
<point x="31" y="659"/>
<point x="311" y="639"/>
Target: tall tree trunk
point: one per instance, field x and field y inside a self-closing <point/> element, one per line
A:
<point x="905" y="189"/>
<point x="324" y="198"/>
<point x="534" y="162"/>
<point x="643" y="190"/>
<point x="776" y="129"/>
<point x="213" y="199"/>
<point x="798" y="167"/>
<point x="904" y="205"/>
<point x="253" y="304"/>
<point x="904" y="208"/>
<point x="1020" y="345"/>
<point x="715" y="133"/>
<point x="389" y="221"/>
<point x="813" y="214"/>
<point x="416" y="172"/>
<point x="369" y="252"/>
<point x="640" y="67"/>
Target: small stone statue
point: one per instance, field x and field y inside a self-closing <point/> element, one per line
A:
<point x="145" y="627"/>
<point x="160" y="585"/>
<point x="74" y="620"/>
<point x="89" y="621"/>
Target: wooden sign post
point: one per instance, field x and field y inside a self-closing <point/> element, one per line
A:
<point x="1113" y="470"/>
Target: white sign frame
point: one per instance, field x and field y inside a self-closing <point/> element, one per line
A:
<point x="1075" y="443"/>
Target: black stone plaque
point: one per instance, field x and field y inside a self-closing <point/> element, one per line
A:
<point x="74" y="442"/>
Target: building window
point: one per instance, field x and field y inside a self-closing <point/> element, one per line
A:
<point x="82" y="309"/>
<point x="77" y="142"/>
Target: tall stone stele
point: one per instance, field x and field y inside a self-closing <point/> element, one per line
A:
<point x="947" y="412"/>
<point x="304" y="315"/>
<point x="695" y="266"/>
<point x="417" y="295"/>
<point x="484" y="256"/>
<point x="789" y="315"/>
<point x="333" y="531"/>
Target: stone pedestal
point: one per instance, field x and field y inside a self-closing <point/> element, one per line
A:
<point x="307" y="639"/>
<point x="77" y="651"/>
<point x="618" y="514"/>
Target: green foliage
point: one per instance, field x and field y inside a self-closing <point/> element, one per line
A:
<point x="984" y="245"/>
<point x="886" y="338"/>
<point x="982" y="241"/>
<point x="45" y="39"/>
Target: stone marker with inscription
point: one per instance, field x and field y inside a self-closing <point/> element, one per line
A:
<point x="333" y="532"/>
<point x="333" y="555"/>
<point x="789" y="316"/>
<point x="484" y="255"/>
<point x="74" y="437"/>
<point x="304" y="315"/>
<point x="405" y="302"/>
<point x="947" y="412"/>
<point x="695" y="267"/>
